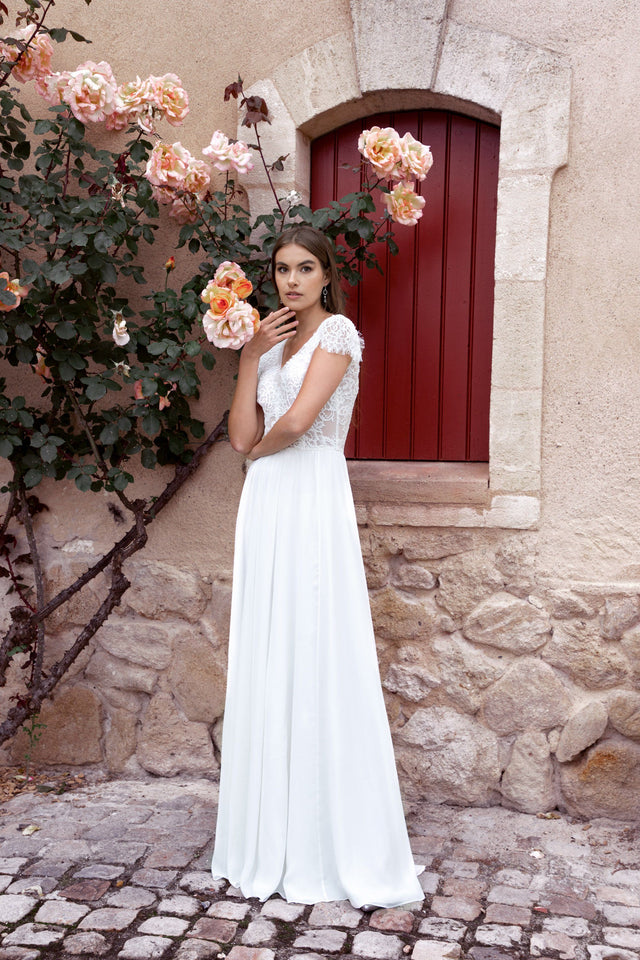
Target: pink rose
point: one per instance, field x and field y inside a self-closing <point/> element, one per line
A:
<point x="235" y="328"/>
<point x="91" y="91"/>
<point x="416" y="159"/>
<point x="228" y="156"/>
<point x="404" y="204"/>
<point x="171" y="98"/>
<point x="51" y="86"/>
<point x="134" y="104"/>
<point x="168" y="165"/>
<point x="220" y="299"/>
<point x="163" y="195"/>
<point x="35" y="61"/>
<point x="381" y="147"/>
<point x="184" y="210"/>
<point x="233" y="277"/>
<point x="40" y="366"/>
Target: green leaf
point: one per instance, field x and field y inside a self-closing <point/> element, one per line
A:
<point x="151" y="424"/>
<point x="208" y="361"/>
<point x="95" y="390"/>
<point x="120" y="482"/>
<point x="32" y="477"/>
<point x="65" y="330"/>
<point x="83" y="482"/>
<point x="102" y="241"/>
<point x="109" y="434"/>
<point x="6" y="447"/>
<point x="59" y="273"/>
<point x="49" y="452"/>
<point x="23" y="330"/>
<point x="148" y="458"/>
<point x="192" y="348"/>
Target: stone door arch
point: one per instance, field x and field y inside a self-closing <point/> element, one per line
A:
<point x="424" y="58"/>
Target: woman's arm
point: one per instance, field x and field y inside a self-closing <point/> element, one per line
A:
<point x="246" y="419"/>
<point x="325" y="372"/>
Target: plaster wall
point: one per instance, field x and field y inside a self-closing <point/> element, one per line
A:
<point x="580" y="564"/>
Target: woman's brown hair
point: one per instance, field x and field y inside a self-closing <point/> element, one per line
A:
<point x="317" y="243"/>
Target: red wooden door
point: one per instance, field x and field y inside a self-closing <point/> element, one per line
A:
<point x="427" y="319"/>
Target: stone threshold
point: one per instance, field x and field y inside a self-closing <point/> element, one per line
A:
<point x="403" y="482"/>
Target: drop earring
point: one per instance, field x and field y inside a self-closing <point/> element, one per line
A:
<point x="324" y="298"/>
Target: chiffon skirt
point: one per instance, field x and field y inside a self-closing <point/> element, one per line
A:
<point x="309" y="804"/>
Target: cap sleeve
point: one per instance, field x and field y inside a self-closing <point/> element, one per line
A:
<point x="339" y="335"/>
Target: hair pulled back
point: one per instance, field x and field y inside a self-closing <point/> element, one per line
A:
<point x="317" y="243"/>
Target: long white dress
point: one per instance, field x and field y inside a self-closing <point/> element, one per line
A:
<point x="309" y="803"/>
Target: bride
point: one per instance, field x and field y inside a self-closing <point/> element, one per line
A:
<point x="309" y="804"/>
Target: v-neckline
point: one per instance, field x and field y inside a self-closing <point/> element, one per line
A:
<point x="283" y="365"/>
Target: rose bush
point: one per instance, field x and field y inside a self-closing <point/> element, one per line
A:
<point x="113" y="378"/>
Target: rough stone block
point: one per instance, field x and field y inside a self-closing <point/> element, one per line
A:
<point x="164" y="926"/>
<point x="212" y="928"/>
<point x="259" y="931"/>
<point x="465" y="581"/>
<point x="624" y="713"/>
<point x="337" y="913"/>
<point x="604" y="782"/>
<point x="197" y="950"/>
<point x="528" y="696"/>
<point x="15" y="907"/>
<point x="448" y="757"/>
<point x="497" y="935"/>
<point x="599" y="952"/>
<point x="618" y="615"/>
<point x="250" y="953"/>
<point x="578" y="648"/>
<point x="137" y="641"/>
<point x="377" y="946"/>
<point x="32" y="935"/>
<point x="508" y="914"/>
<point x="326" y="941"/>
<point x="72" y="730"/>
<point x="443" y="928"/>
<point x="159" y="591"/>
<point x="197" y="677"/>
<point x="281" y="910"/>
<point x="399" y="617"/>
<point x="169" y="744"/>
<point x="435" y="950"/>
<point x="392" y="919"/>
<point x="60" y="912"/>
<point x="108" y="918"/>
<point x="527" y="782"/>
<point x="120" y="739"/>
<point x="456" y="908"/>
<point x="145" y="948"/>
<point x="86" y="944"/>
<point x="582" y="729"/>
<point x="109" y="671"/>
<point x="465" y="671"/>
<point x="506" y="622"/>
<point x="227" y="910"/>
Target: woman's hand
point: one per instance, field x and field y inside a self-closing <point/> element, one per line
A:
<point x="275" y="327"/>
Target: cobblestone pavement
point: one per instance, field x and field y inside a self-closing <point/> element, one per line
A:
<point x="120" y="870"/>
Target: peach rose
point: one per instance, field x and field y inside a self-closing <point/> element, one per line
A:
<point x="416" y="158"/>
<point x="91" y="91"/>
<point x="35" y="61"/>
<point x="40" y="366"/>
<point x="137" y="390"/>
<point x="404" y="204"/>
<point x="220" y="299"/>
<point x="233" y="277"/>
<point x="13" y="286"/>
<point x="381" y="147"/>
<point x="198" y="177"/>
<point x="235" y="328"/>
<point x="168" y="165"/>
<point x="240" y="157"/>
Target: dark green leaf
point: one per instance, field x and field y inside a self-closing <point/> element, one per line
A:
<point x="95" y="390"/>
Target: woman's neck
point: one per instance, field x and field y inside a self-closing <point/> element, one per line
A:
<point x="309" y="320"/>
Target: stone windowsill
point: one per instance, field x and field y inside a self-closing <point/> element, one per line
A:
<point x="388" y="481"/>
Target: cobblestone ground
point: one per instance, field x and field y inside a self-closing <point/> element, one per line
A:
<point x="120" y="870"/>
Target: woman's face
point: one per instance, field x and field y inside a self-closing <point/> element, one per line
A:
<point x="299" y="277"/>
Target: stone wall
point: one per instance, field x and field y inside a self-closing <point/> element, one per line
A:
<point x="503" y="686"/>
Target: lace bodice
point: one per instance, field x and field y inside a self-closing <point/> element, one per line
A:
<point x="278" y="385"/>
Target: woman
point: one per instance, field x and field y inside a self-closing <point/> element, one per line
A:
<point x="309" y="801"/>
